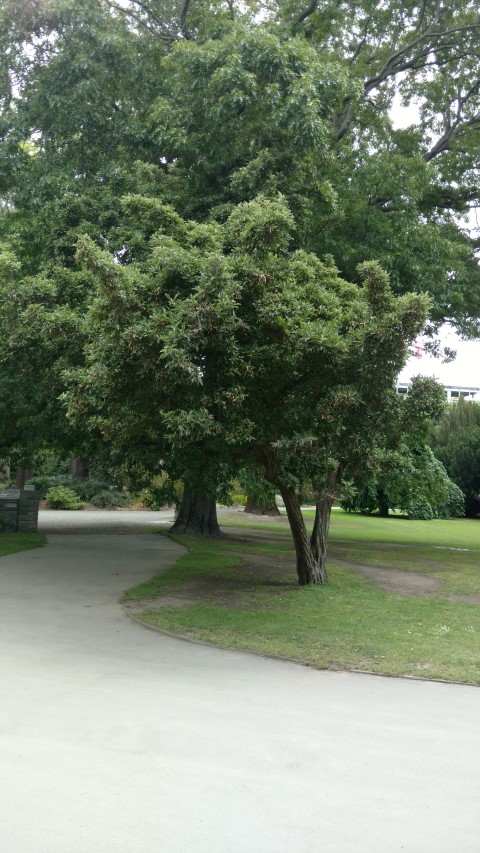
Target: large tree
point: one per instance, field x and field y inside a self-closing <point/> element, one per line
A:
<point x="225" y="343"/>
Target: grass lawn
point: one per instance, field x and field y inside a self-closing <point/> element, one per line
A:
<point x="12" y="543"/>
<point x="448" y="533"/>
<point x="241" y="592"/>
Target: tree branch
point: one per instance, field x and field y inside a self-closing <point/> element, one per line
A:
<point x="309" y="10"/>
<point x="140" y="21"/>
<point x="443" y="144"/>
<point x="183" y="20"/>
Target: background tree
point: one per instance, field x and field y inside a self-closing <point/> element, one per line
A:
<point x="457" y="445"/>
<point x="402" y="472"/>
<point x="261" y="497"/>
<point x="302" y="105"/>
<point x="412" y="481"/>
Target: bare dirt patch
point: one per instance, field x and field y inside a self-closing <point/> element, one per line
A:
<point x="276" y="573"/>
<point x="257" y="572"/>
<point x="469" y="599"/>
<point x="399" y="581"/>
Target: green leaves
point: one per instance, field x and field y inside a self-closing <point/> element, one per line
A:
<point x="226" y="339"/>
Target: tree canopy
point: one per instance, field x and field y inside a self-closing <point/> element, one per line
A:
<point x="226" y="344"/>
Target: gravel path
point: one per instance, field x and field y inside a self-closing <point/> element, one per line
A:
<point x="101" y="520"/>
<point x="115" y="739"/>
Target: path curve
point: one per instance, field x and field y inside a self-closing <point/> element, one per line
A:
<point x="114" y="739"/>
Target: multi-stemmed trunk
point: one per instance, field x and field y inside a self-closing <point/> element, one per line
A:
<point x="197" y="515"/>
<point x="311" y="551"/>
<point x="261" y="508"/>
<point x="319" y="537"/>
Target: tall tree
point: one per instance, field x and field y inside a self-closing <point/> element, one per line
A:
<point x="224" y="343"/>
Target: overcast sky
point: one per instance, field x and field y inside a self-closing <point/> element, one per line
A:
<point x="465" y="370"/>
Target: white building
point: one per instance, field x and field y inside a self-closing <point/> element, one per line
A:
<point x="452" y="392"/>
<point x="460" y="377"/>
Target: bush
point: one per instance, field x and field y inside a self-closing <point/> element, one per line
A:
<point x="84" y="487"/>
<point x="87" y="487"/>
<point x="239" y="500"/>
<point x="60" y="497"/>
<point x="420" y="510"/>
<point x="108" y="499"/>
<point x="454" y="507"/>
<point x="162" y="492"/>
<point x="45" y="482"/>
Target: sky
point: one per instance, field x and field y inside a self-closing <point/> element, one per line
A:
<point x="465" y="370"/>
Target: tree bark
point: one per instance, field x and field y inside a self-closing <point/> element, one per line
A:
<point x="256" y="508"/>
<point x="197" y="515"/>
<point x="319" y="536"/>
<point x="383" y="506"/>
<point x="308" y="568"/>
<point x="22" y="475"/>
<point x="78" y="467"/>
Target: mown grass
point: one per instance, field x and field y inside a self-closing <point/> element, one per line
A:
<point x="12" y="543"/>
<point x="348" y="624"/>
<point x="448" y="533"/>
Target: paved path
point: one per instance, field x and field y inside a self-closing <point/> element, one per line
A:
<point x="114" y="739"/>
<point x="102" y="520"/>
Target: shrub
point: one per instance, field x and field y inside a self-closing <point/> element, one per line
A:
<point x="44" y="482"/>
<point x="108" y="499"/>
<point x="162" y="492"/>
<point x="239" y="500"/>
<point x="87" y="487"/>
<point x="454" y="506"/>
<point x="420" y="509"/>
<point x="60" y="497"/>
<point x="84" y="487"/>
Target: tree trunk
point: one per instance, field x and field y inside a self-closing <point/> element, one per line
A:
<point x="308" y="568"/>
<point x="256" y="508"/>
<point x="78" y="467"/>
<point x="383" y="506"/>
<point x="22" y="475"/>
<point x="197" y="515"/>
<point x="319" y="536"/>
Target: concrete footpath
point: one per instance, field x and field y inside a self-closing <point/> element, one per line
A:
<point x="115" y="739"/>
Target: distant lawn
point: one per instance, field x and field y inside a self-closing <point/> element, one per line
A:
<point x="451" y="533"/>
<point x="12" y="543"/>
<point x="241" y="592"/>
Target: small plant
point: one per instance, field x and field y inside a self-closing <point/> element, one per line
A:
<point x="60" y="497"/>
